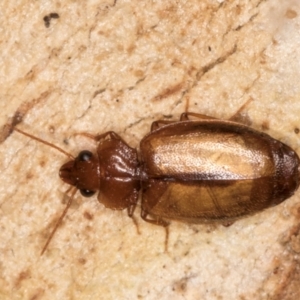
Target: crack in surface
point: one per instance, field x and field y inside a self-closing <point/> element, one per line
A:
<point x="218" y="61"/>
<point x="20" y="113"/>
<point x="240" y="27"/>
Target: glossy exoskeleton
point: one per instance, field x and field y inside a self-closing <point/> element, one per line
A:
<point x="201" y="170"/>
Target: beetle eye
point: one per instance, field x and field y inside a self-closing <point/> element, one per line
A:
<point x="87" y="193"/>
<point x="85" y="155"/>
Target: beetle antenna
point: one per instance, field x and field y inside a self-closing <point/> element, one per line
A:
<point x="59" y="220"/>
<point x="44" y="142"/>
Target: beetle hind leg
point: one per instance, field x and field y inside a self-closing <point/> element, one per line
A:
<point x="160" y="123"/>
<point x="186" y="116"/>
<point x="157" y="221"/>
<point x="241" y="117"/>
<point x="154" y="220"/>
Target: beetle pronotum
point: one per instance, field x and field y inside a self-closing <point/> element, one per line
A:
<point x="203" y="170"/>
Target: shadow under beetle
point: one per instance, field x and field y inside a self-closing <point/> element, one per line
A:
<point x="200" y="170"/>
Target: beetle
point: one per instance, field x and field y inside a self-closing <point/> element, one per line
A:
<point x="198" y="170"/>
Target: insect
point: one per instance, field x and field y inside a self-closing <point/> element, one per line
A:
<point x="199" y="169"/>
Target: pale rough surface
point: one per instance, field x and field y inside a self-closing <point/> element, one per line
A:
<point x="119" y="65"/>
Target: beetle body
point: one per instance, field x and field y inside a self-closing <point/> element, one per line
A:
<point x="195" y="171"/>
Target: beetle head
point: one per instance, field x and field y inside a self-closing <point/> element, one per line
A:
<point x="83" y="172"/>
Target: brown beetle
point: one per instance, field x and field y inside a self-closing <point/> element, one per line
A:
<point x="202" y="170"/>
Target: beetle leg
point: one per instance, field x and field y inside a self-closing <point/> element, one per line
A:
<point x="156" y="221"/>
<point x="227" y="223"/>
<point x="135" y="222"/>
<point x="98" y="137"/>
<point x="160" y="123"/>
<point x="111" y="134"/>
<point x="239" y="117"/>
<point x="167" y="238"/>
<point x="94" y="137"/>
<point x="130" y="210"/>
<point x="185" y="116"/>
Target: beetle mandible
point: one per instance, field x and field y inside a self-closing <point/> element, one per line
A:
<point x="203" y="170"/>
